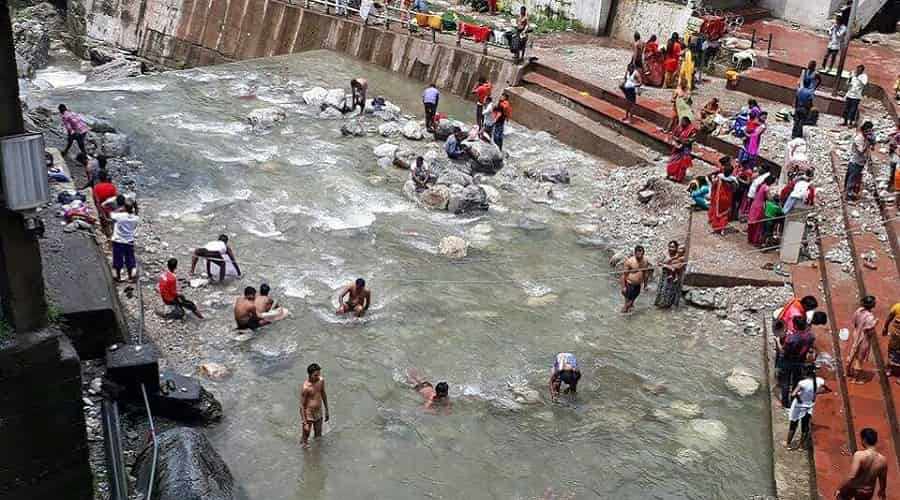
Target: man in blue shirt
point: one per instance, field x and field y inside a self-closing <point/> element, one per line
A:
<point x="430" y="99"/>
<point x="420" y="6"/>
<point x="802" y="110"/>
<point x="454" y="147"/>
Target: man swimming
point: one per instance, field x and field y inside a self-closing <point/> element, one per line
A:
<point x="215" y="252"/>
<point x="432" y="396"/>
<point x="565" y="369"/>
<point x="359" y="87"/>
<point x="358" y="299"/>
<point x="245" y="311"/>
<point x="312" y="398"/>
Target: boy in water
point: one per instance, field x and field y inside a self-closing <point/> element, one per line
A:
<point x="565" y="369"/>
<point x="431" y="395"/>
<point x="358" y="299"/>
<point x="312" y="398"/>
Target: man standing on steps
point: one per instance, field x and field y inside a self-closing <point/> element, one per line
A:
<point x="869" y="467"/>
<point x="836" y="35"/>
<point x="430" y="99"/>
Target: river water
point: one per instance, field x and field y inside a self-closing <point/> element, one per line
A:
<point x="309" y="210"/>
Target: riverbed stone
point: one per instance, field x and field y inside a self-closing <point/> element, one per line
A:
<point x="265" y="117"/>
<point x="334" y="98"/>
<point x="491" y="193"/>
<point x="741" y="382"/>
<point x="453" y="247"/>
<point x="114" y="145"/>
<point x="452" y="176"/>
<point x="687" y="457"/>
<point x="98" y="125"/>
<point x="543" y="300"/>
<point x="436" y="197"/>
<point x="587" y="229"/>
<point x="116" y="70"/>
<point x="330" y="113"/>
<point x="187" y="468"/>
<point x="353" y="128"/>
<point x="412" y="131"/>
<point x="32" y="41"/>
<point x="389" y="130"/>
<point x="486" y="158"/>
<point x="214" y="371"/>
<point x="386" y="150"/>
<point x="409" y="190"/>
<point x="706" y="298"/>
<point x="466" y="198"/>
<point x="443" y="130"/>
<point x="714" y="430"/>
<point x="315" y="96"/>
<point x="553" y="174"/>
<point x="685" y="409"/>
<point x="524" y="393"/>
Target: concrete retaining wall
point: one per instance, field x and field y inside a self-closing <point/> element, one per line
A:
<point x="814" y="13"/>
<point x="42" y="432"/>
<point x="649" y="17"/>
<point x="187" y="33"/>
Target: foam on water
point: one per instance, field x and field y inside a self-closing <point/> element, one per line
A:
<point x="136" y="84"/>
<point x="60" y="77"/>
<point x="535" y="289"/>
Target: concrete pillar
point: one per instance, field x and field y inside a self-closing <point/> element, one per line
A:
<point x="21" y="274"/>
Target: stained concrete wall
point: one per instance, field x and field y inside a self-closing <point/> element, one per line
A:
<point x="812" y="13"/>
<point x="649" y="17"/>
<point x="592" y="15"/>
<point x="42" y="430"/>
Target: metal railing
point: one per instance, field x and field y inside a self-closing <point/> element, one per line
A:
<point x="139" y="272"/>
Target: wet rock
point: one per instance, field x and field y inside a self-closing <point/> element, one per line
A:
<point x="265" y="117"/>
<point x="409" y="190"/>
<point x="330" y="114"/>
<point x="389" y="130"/>
<point x="524" y="394"/>
<point x="486" y="158"/>
<point x="115" y="70"/>
<point x="42" y="84"/>
<point x="650" y="221"/>
<point x="214" y="371"/>
<point x="706" y="298"/>
<point x="646" y="195"/>
<point x="453" y="176"/>
<point x="114" y="145"/>
<point x="98" y="125"/>
<point x="587" y="229"/>
<point x="102" y="54"/>
<point x="685" y="410"/>
<point x="199" y="282"/>
<point x="188" y="468"/>
<point x="436" y="197"/>
<point x="334" y="98"/>
<point x="411" y="130"/>
<point x="687" y="457"/>
<point x="315" y="96"/>
<point x="443" y="130"/>
<point x="385" y="162"/>
<point x="713" y="430"/>
<point x="491" y="193"/>
<point x="453" y="247"/>
<point x="405" y="158"/>
<point x="386" y="150"/>
<point x="466" y="199"/>
<point x="742" y="382"/>
<point x="542" y="301"/>
<point x="353" y="128"/>
<point x="552" y="174"/>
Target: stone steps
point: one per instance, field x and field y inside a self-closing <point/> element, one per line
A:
<point x="782" y="87"/>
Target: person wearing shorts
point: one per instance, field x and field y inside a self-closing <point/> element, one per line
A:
<point x="124" y="227"/>
<point x="215" y="252"/>
<point x="630" y="89"/>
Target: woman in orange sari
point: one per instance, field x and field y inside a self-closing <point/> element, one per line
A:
<point x="682" y="141"/>
<point x="720" y="197"/>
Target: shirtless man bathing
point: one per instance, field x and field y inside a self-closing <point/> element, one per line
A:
<point x="358" y="299"/>
<point x="245" y="311"/>
<point x="312" y="398"/>
<point x="432" y="395"/>
<point x="635" y="274"/>
<point x="869" y="467"/>
<point x="267" y="308"/>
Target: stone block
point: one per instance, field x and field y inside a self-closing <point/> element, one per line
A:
<point x="132" y="365"/>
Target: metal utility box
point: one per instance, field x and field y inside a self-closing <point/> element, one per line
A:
<point x="24" y="172"/>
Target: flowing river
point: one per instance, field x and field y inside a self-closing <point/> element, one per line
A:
<point x="309" y="210"/>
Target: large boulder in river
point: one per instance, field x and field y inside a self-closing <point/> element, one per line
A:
<point x="466" y="199"/>
<point x="315" y="96"/>
<point x="334" y="98"/>
<point x="554" y="174"/>
<point x="453" y="247"/>
<point x="116" y="69"/>
<point x="265" y="117"/>
<point x="444" y="129"/>
<point x="413" y="131"/>
<point x="98" y="125"/>
<point x="741" y="382"/>
<point x="486" y="157"/>
<point x="389" y="130"/>
<point x="114" y="145"/>
<point x="188" y="468"/>
<point x="386" y="150"/>
<point x="436" y="197"/>
<point x="452" y="176"/>
<point x="353" y="128"/>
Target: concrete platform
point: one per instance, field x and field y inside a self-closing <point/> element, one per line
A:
<point x="79" y="283"/>
<point x="745" y="266"/>
<point x="782" y="87"/>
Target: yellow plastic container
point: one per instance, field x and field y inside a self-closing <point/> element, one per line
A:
<point x="731" y="74"/>
<point x="435" y="22"/>
<point x="422" y="19"/>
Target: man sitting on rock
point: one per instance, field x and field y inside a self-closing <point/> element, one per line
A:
<point x="168" y="292"/>
<point x="245" y="311"/>
<point x="565" y="369"/>
<point x="266" y="307"/>
<point x="454" y="147"/>
<point x="358" y="299"/>
<point x="421" y="176"/>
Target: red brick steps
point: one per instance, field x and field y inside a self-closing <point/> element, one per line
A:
<point x="782" y="87"/>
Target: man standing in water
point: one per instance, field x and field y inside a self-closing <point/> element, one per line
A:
<point x="869" y="467"/>
<point x="215" y="251"/>
<point x="312" y="398"/>
<point x="430" y="99"/>
<point x="565" y="369"/>
<point x="635" y="274"/>
<point x="245" y="311"/>
<point x="358" y="299"/>
<point x="359" y="87"/>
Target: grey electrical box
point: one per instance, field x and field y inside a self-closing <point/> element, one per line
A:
<point x="24" y="172"/>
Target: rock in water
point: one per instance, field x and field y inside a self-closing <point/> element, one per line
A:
<point x="115" y="70"/>
<point x="188" y="468"/>
<point x="486" y="157"/>
<point x="587" y="229"/>
<point x="386" y="150"/>
<point x="389" y="130"/>
<point x="543" y="300"/>
<point x="556" y="175"/>
<point x="214" y="371"/>
<point x="334" y="98"/>
<point x="443" y="130"/>
<point x="409" y="190"/>
<point x="315" y="96"/>
<point x="453" y="247"/>
<point x="705" y="298"/>
<point x="742" y="382"/>
<point x="353" y="128"/>
<point x="330" y="113"/>
<point x="412" y="131"/>
<point x="713" y="430"/>
<point x="687" y="457"/>
<point x="492" y="194"/>
<point x="686" y="410"/>
<point x="98" y="125"/>
<point x="114" y="145"/>
<point x="465" y="199"/>
<point x="265" y="117"/>
<point x="452" y="176"/>
<point x="436" y="197"/>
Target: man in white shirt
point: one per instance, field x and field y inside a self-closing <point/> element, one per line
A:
<point x="216" y="252"/>
<point x="124" y="228"/>
<point x="836" y="35"/>
<point x="858" y="83"/>
<point x="803" y="399"/>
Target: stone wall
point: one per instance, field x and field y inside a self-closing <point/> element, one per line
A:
<point x="813" y="13"/>
<point x="42" y="429"/>
<point x="649" y="17"/>
<point x="188" y="33"/>
<point x="592" y="15"/>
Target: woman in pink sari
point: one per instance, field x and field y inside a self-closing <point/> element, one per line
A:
<point x="682" y="141"/>
<point x="750" y="149"/>
<point x="756" y="233"/>
<point x="863" y="329"/>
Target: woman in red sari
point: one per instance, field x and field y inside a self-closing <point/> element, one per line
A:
<point x="721" y="196"/>
<point x="682" y="141"/>
<point x="756" y="233"/>
<point x="653" y="63"/>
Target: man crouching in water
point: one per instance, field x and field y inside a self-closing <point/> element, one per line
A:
<point x="245" y="311"/>
<point x="312" y="398"/>
<point x="565" y="369"/>
<point x="432" y="396"/>
<point x="358" y="299"/>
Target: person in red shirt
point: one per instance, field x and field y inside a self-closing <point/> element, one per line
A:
<point x="168" y="292"/>
<point x="103" y="191"/>
<point x="672" y="60"/>
<point x="482" y="91"/>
